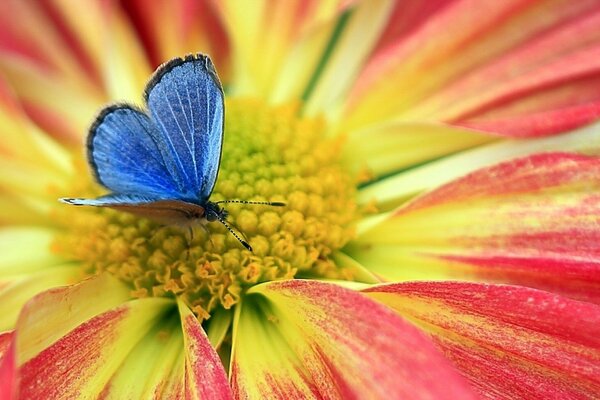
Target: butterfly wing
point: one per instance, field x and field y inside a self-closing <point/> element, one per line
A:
<point x="166" y="211"/>
<point x="125" y="157"/>
<point x="185" y="101"/>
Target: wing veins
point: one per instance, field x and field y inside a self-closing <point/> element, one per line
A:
<point x="162" y="158"/>
<point x="193" y="131"/>
<point x="192" y="150"/>
<point x="172" y="147"/>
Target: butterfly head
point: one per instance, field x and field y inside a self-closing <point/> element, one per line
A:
<point x="214" y="213"/>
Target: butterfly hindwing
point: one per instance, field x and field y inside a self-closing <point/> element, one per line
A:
<point x="124" y="155"/>
<point x="185" y="102"/>
<point x="166" y="211"/>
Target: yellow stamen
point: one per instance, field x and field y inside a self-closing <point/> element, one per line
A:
<point x="269" y="154"/>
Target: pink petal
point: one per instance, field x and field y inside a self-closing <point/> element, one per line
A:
<point x="532" y="221"/>
<point x="513" y="68"/>
<point x="70" y="341"/>
<point x="299" y="339"/>
<point x="205" y="376"/>
<point x="7" y="366"/>
<point x="173" y="28"/>
<point x="510" y="342"/>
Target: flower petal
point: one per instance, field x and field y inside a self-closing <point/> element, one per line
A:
<point x="392" y="191"/>
<point x="25" y="250"/>
<point x="277" y="30"/>
<point x="14" y="293"/>
<point x="171" y="29"/>
<point x="155" y="364"/>
<point x="7" y="366"/>
<point x="532" y="221"/>
<point x="352" y="47"/>
<point x="510" y="342"/>
<point x="124" y="64"/>
<point x="77" y="337"/>
<point x="514" y="68"/>
<point x="391" y="147"/>
<point x="306" y="339"/>
<point x="205" y="376"/>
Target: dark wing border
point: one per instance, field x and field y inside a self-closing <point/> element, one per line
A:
<point x="98" y="120"/>
<point x="169" y="65"/>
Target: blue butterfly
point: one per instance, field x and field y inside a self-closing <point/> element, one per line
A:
<point x="164" y="164"/>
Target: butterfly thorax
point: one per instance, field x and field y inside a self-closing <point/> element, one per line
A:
<point x="212" y="212"/>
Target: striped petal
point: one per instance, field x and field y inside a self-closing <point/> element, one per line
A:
<point x="276" y="46"/>
<point x="387" y="148"/>
<point x="90" y="340"/>
<point x="205" y="376"/>
<point x="533" y="221"/>
<point x="306" y="339"/>
<point x="353" y="44"/>
<point x="515" y="68"/>
<point x="77" y="338"/>
<point x="174" y="360"/>
<point x="389" y="192"/>
<point x="509" y="342"/>
<point x="170" y="29"/>
<point x="40" y="60"/>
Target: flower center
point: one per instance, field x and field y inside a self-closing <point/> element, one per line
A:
<point x="269" y="154"/>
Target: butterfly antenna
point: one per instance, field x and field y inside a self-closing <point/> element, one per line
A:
<point x="235" y="235"/>
<point x="263" y="203"/>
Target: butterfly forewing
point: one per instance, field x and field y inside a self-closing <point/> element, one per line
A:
<point x="185" y="101"/>
<point x="164" y="211"/>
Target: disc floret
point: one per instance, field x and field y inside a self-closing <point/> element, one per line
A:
<point x="269" y="154"/>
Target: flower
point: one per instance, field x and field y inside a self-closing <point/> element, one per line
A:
<point x="441" y="228"/>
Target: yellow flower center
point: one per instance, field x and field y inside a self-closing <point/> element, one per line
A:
<point x="268" y="154"/>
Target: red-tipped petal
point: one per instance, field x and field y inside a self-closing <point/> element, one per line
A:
<point x="515" y="68"/>
<point x="532" y="221"/>
<point x="510" y="342"/>
<point x="205" y="376"/>
<point x="7" y="366"/>
<point x="70" y="341"/>
<point x="306" y="339"/>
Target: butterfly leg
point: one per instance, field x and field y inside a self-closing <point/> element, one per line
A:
<point x="189" y="239"/>
<point x="207" y="231"/>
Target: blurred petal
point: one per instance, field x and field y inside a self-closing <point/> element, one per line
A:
<point x="22" y="140"/>
<point x="266" y="34"/>
<point x="532" y="221"/>
<point x="351" y="49"/>
<point x="28" y="31"/>
<point x="15" y="292"/>
<point x="205" y="376"/>
<point x="25" y="250"/>
<point x="124" y="64"/>
<point x="42" y="59"/>
<point x="77" y="345"/>
<point x="510" y="342"/>
<point x="388" y="148"/>
<point x="514" y="68"/>
<point x="392" y="191"/>
<point x="306" y="339"/>
<point x="171" y="29"/>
